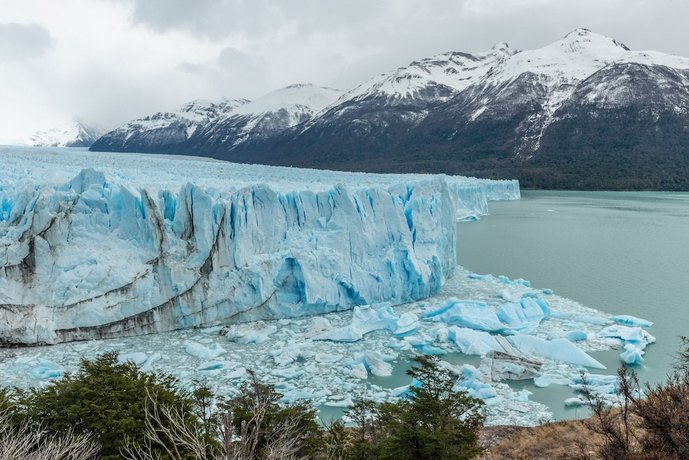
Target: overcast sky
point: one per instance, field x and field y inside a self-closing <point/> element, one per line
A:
<point x="108" y="61"/>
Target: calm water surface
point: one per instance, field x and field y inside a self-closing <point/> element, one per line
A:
<point x="619" y="252"/>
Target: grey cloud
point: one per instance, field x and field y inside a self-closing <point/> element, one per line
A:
<point x="212" y="19"/>
<point x="190" y="67"/>
<point x="23" y="41"/>
<point x="232" y="73"/>
<point x="256" y="19"/>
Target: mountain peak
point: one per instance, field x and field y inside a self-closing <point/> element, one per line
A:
<point x="72" y="134"/>
<point x="305" y="94"/>
<point x="582" y="38"/>
<point x="501" y="46"/>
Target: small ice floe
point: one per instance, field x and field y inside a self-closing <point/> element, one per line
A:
<point x="633" y="339"/>
<point x="256" y="332"/>
<point x="557" y="349"/>
<point x="47" y="370"/>
<point x="576" y="336"/>
<point x="202" y="351"/>
<point x="138" y="358"/>
<point x="367" y="319"/>
<point x="628" y="320"/>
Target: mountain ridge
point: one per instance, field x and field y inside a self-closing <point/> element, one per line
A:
<point x="582" y="112"/>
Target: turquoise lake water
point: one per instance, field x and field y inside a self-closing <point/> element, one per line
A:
<point x="618" y="252"/>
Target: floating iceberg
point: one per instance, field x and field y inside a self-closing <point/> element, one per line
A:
<point x="629" y="320"/>
<point x="557" y="349"/>
<point x="634" y="339"/>
<point x="468" y="314"/>
<point x="47" y="370"/>
<point x="365" y="319"/>
<point x="524" y="316"/>
<point x="472" y="342"/>
<point x="202" y="352"/>
<point x="112" y="245"/>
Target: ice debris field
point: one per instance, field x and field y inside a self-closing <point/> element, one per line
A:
<point x="326" y="284"/>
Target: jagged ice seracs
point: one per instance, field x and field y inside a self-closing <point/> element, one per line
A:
<point x="99" y="245"/>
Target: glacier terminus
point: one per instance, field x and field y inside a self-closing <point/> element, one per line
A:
<point x="96" y="245"/>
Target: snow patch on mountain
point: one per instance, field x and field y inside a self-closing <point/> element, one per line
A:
<point x="73" y="134"/>
<point x="453" y="72"/>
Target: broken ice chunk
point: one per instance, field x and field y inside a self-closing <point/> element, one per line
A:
<point x="632" y="354"/>
<point x="480" y="343"/>
<point x="467" y="313"/>
<point x="256" y="332"/>
<point x="576" y="336"/>
<point x="203" y="352"/>
<point x="137" y="358"/>
<point x="628" y="320"/>
<point x="47" y="370"/>
<point x="406" y="324"/>
<point x="376" y="363"/>
<point x="505" y="366"/>
<point x="558" y="350"/>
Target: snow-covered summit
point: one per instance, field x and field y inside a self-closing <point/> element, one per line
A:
<point x="206" y="108"/>
<point x="449" y="73"/>
<point x="578" y="55"/>
<point x="73" y="134"/>
<point x="303" y="97"/>
<point x="227" y="122"/>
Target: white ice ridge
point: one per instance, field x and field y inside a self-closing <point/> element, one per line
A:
<point x="97" y="245"/>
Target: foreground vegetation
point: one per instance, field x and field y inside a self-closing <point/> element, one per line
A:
<point x="112" y="410"/>
<point x="652" y="424"/>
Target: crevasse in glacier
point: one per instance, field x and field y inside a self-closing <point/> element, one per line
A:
<point x="97" y="245"/>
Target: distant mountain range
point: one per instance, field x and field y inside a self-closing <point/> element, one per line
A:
<point x="73" y="134"/>
<point x="584" y="112"/>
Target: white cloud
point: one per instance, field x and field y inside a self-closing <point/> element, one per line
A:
<point x="23" y="41"/>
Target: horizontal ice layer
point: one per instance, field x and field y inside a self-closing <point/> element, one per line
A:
<point x="139" y="244"/>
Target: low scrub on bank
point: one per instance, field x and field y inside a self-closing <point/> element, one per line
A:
<point x="110" y="410"/>
<point x="651" y="423"/>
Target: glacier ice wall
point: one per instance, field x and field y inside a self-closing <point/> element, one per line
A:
<point x="126" y="248"/>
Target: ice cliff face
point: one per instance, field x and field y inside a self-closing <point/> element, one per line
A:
<point x="136" y="244"/>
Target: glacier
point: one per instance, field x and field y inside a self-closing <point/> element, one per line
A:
<point x="96" y="246"/>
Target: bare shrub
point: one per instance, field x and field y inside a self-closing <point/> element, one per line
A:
<point x="26" y="443"/>
<point x="652" y="425"/>
<point x="615" y="425"/>
<point x="664" y="413"/>
<point x="169" y="427"/>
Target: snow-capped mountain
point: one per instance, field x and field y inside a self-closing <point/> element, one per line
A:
<point x="166" y="130"/>
<point x="74" y="134"/>
<point x="226" y="124"/>
<point x="582" y="112"/>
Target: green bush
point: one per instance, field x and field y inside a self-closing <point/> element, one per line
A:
<point x="433" y="422"/>
<point x="104" y="399"/>
<point x="258" y="414"/>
